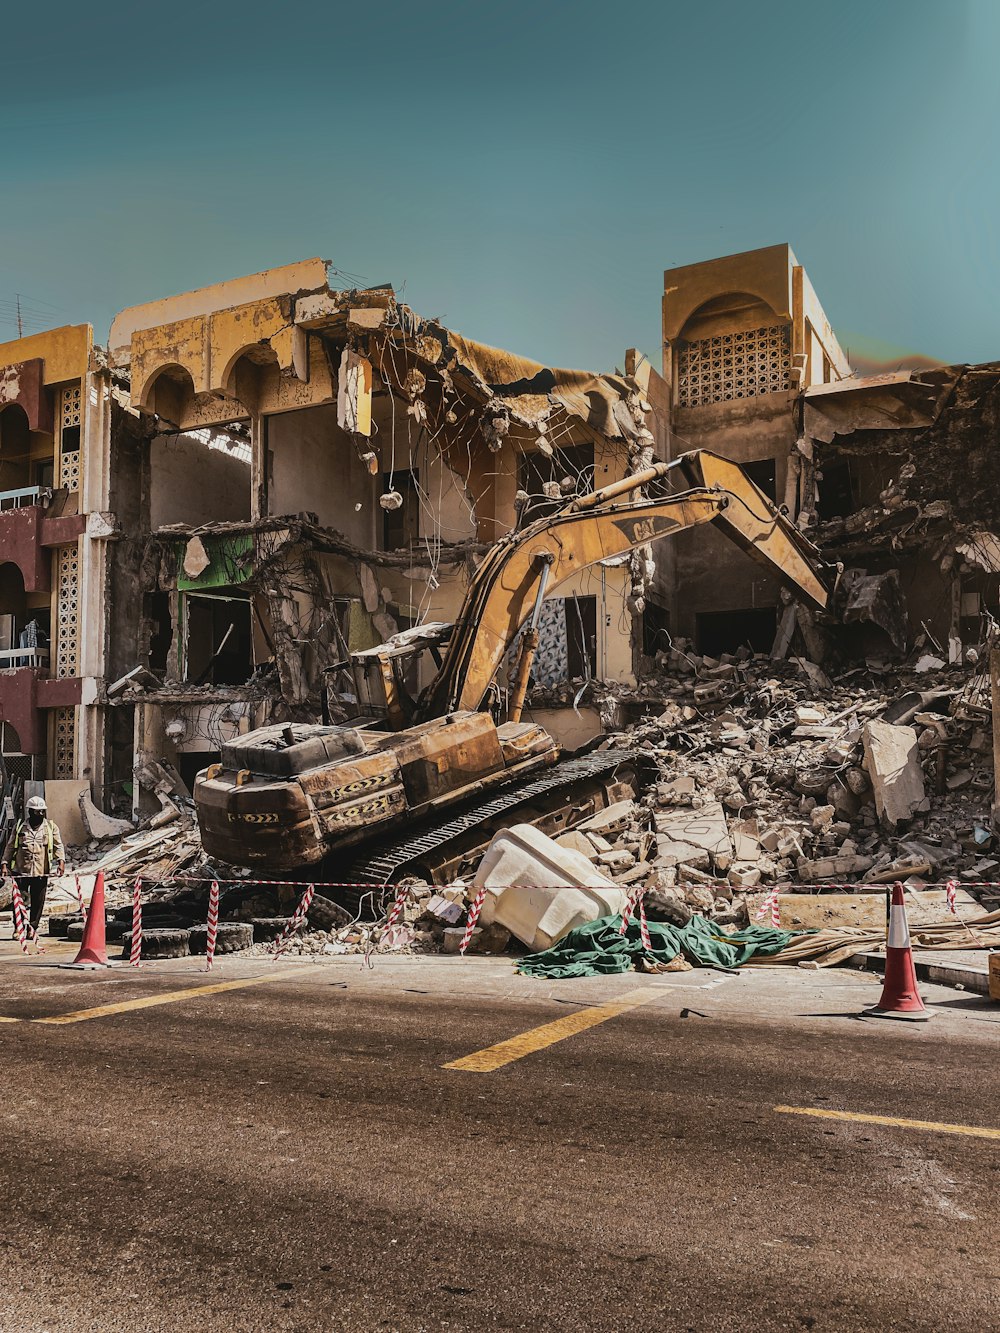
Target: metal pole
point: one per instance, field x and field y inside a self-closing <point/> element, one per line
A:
<point x="529" y="644"/>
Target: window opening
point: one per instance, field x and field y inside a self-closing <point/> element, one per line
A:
<point x="655" y="629"/>
<point x="835" y="490"/>
<point x="401" y="527"/>
<point x="762" y="474"/>
<point x="218" y="639"/>
<point x="725" y="631"/>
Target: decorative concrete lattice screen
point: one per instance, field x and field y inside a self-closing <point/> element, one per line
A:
<point x="70" y="415"/>
<point x="67" y="611"/>
<point x="64" y="749"/>
<point x="734" y="365"/>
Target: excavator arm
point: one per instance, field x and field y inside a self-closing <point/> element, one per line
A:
<point x="527" y="566"/>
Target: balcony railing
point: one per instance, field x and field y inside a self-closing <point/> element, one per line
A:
<point x="10" y="658"/>
<point x="20" y="499"/>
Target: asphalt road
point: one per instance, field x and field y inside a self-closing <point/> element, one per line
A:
<point x="293" y="1155"/>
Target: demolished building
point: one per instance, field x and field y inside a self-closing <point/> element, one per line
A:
<point x="303" y="472"/>
<point x="898" y="481"/>
<point x="262" y="477"/>
<point x="268" y="478"/>
<point x="744" y="337"/>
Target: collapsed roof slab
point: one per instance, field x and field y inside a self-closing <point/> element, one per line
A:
<point x="263" y="344"/>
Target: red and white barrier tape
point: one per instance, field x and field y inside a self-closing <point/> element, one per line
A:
<point x="770" y="907"/>
<point x="951" y="888"/>
<point x="399" y="902"/>
<point x="298" y="916"/>
<point x="474" y="910"/>
<point x="135" y="954"/>
<point x="212" y="925"/>
<point x="636" y="899"/>
<point x="20" y="919"/>
<point x="647" y="943"/>
<point x="627" y="910"/>
<point x="786" y="887"/>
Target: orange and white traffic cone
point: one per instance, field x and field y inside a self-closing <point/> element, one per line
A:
<point x="93" y="947"/>
<point x="900" y="996"/>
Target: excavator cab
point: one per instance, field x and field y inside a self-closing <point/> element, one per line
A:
<point x="379" y="686"/>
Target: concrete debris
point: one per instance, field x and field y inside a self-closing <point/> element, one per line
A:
<point x="883" y="774"/>
<point x="775" y="782"/>
<point x="196" y="558"/>
<point x="99" y="825"/>
<point x="892" y="761"/>
<point x="878" y="599"/>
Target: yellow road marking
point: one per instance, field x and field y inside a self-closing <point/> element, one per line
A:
<point x="515" y="1048"/>
<point x="974" y="1131"/>
<point x="171" y="997"/>
<point x="9" y="1020"/>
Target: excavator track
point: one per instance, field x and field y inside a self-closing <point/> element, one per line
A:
<point x="392" y="861"/>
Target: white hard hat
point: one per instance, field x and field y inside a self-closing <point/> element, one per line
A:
<point x="36" y="803"/>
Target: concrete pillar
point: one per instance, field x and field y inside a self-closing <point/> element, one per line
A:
<point x="258" y="467"/>
<point x="95" y="493"/>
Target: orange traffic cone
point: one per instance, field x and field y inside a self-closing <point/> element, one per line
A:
<point x="900" y="997"/>
<point x="93" y="948"/>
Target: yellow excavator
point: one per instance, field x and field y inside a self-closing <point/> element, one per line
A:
<point x="286" y="796"/>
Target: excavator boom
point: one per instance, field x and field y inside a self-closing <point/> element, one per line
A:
<point x="593" y="527"/>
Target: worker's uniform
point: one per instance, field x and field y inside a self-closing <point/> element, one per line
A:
<point x="31" y="853"/>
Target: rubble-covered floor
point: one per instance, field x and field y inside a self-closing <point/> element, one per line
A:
<point x="759" y="774"/>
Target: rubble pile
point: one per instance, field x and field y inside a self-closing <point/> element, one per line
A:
<point x="154" y="854"/>
<point x="770" y="772"/>
<point x="760" y="772"/>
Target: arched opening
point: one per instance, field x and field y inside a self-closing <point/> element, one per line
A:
<point x="10" y="741"/>
<point x="24" y="629"/>
<point x="168" y="392"/>
<point x="200" y="475"/>
<point x="17" y="766"/>
<point x="247" y="370"/>
<point x="732" y="347"/>
<point x="15" y="454"/>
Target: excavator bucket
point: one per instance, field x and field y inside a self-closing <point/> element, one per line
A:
<point x="751" y="520"/>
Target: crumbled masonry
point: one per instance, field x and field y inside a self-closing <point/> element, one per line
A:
<point x="762" y="779"/>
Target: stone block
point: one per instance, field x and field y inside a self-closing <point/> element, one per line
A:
<point x="892" y="761"/>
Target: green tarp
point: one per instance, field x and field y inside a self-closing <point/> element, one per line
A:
<point x="598" y="948"/>
<point x="230" y="563"/>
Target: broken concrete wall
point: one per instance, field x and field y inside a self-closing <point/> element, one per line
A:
<point x="892" y="761"/>
<point x="197" y="479"/>
<point x="905" y="479"/>
<point x="314" y="468"/>
<point x="712" y="575"/>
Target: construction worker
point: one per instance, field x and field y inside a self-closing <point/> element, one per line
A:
<point x="33" y="848"/>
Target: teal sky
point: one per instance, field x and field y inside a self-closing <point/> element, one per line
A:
<point x="525" y="171"/>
